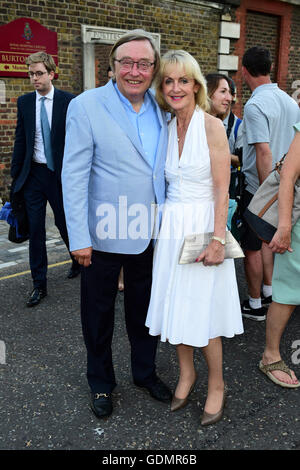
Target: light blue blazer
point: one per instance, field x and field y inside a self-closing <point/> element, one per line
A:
<point x="109" y="188"/>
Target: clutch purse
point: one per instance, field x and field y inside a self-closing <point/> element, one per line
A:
<point x="194" y="244"/>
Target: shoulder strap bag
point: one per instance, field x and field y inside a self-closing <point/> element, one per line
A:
<point x="262" y="212"/>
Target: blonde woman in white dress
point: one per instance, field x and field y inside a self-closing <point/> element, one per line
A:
<point x="194" y="305"/>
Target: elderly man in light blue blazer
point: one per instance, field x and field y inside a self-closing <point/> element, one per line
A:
<point x="113" y="181"/>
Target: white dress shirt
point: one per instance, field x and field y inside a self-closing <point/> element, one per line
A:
<point x="38" y="152"/>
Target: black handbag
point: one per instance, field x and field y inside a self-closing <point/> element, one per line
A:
<point x="14" y="237"/>
<point x="21" y="234"/>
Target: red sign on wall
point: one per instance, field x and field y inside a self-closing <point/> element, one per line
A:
<point x="19" y="39"/>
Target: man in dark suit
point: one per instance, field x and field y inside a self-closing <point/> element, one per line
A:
<point x="37" y="163"/>
<point x="116" y="146"/>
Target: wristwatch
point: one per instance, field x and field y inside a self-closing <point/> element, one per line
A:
<point x="221" y="240"/>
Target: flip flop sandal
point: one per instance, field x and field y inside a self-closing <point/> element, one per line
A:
<point x="279" y="365"/>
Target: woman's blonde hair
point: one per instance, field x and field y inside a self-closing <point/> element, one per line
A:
<point x="191" y="69"/>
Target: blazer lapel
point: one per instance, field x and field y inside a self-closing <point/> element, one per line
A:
<point x="56" y="114"/>
<point x="30" y="124"/>
<point x="161" y="151"/>
<point x="32" y="111"/>
<point x="115" y="108"/>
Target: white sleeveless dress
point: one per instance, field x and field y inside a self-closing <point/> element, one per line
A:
<point x="192" y="303"/>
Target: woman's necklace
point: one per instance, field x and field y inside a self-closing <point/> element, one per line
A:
<point x="181" y="132"/>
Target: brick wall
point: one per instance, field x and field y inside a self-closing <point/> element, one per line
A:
<point x="259" y="20"/>
<point x="101" y="63"/>
<point x="262" y="30"/>
<point x="293" y="77"/>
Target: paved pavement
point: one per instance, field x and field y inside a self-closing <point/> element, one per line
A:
<point x="45" y="398"/>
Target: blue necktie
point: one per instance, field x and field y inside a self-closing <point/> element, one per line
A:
<point x="46" y="135"/>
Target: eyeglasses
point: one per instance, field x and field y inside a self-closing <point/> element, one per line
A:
<point x="127" y="64"/>
<point x="37" y="74"/>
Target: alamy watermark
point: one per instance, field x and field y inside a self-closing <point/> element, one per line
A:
<point x="125" y="221"/>
<point x="2" y="352"/>
<point x="2" y="92"/>
<point x="296" y="354"/>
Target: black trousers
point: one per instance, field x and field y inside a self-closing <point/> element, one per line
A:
<point x="42" y="186"/>
<point x="99" y="285"/>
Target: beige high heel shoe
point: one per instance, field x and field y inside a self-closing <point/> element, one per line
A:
<point x="178" y="403"/>
<point x="208" y="418"/>
<point x="121" y="281"/>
